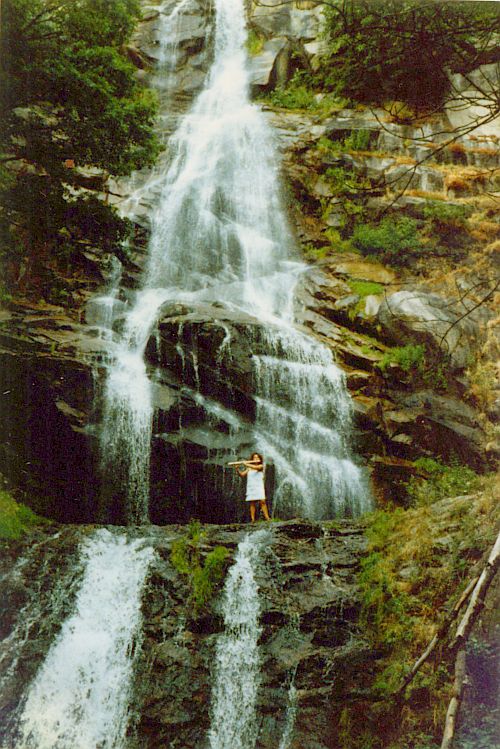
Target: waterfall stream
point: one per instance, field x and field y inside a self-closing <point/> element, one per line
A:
<point x="236" y="675"/>
<point x="219" y="234"/>
<point x="80" y="696"/>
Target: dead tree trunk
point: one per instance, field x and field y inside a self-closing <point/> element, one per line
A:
<point x="456" y="699"/>
<point x="476" y="602"/>
<point x="443" y="629"/>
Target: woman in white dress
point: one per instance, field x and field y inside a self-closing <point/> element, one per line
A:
<point x="256" y="493"/>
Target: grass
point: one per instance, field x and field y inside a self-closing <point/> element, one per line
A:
<point x="15" y="517"/>
<point x="418" y="562"/>
<point x="365" y="288"/>
<point x="441" y="481"/>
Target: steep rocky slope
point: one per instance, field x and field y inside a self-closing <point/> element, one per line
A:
<point x="52" y="351"/>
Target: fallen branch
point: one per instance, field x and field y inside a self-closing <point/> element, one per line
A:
<point x="476" y="602"/>
<point x="459" y="642"/>
<point x="455" y="702"/>
<point x="438" y="636"/>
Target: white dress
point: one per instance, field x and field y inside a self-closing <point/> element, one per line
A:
<point x="255" y="485"/>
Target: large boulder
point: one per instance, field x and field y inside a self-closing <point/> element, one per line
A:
<point x="415" y="315"/>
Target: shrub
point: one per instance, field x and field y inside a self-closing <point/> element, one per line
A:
<point x="299" y="94"/>
<point x="443" y="481"/>
<point x="294" y="96"/>
<point x="203" y="578"/>
<point x="254" y="43"/>
<point x="365" y="288"/>
<point x="206" y="578"/>
<point x="447" y="224"/>
<point x="410" y="357"/>
<point x="395" y="240"/>
<point x="358" y="140"/>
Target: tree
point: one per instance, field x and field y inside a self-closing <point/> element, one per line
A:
<point x="405" y="49"/>
<point x="70" y="101"/>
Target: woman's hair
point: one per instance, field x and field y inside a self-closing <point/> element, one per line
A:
<point x="260" y="457"/>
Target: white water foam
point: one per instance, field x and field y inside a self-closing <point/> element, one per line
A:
<point x="236" y="676"/>
<point x="220" y="234"/>
<point x="80" y="696"/>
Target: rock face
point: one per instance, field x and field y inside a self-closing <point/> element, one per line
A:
<point x="52" y="359"/>
<point x="311" y="637"/>
<point x="429" y="318"/>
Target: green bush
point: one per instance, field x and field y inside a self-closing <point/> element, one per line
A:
<point x="203" y="579"/>
<point x="299" y="93"/>
<point x="365" y="288"/>
<point x="206" y="578"/>
<point x="395" y="240"/>
<point x="254" y="43"/>
<point x="294" y="96"/>
<point x="358" y="140"/>
<point x="15" y="518"/>
<point x="443" y="481"/>
<point x="446" y="225"/>
<point x="402" y="49"/>
<point x="410" y="357"/>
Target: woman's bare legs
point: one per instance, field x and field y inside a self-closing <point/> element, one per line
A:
<point x="264" y="510"/>
<point x="253" y="508"/>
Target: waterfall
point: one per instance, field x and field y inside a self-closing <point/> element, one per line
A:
<point x="290" y="715"/>
<point x="235" y="680"/>
<point x="80" y="696"/>
<point x="219" y="234"/>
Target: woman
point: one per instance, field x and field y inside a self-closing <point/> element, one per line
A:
<point x="256" y="493"/>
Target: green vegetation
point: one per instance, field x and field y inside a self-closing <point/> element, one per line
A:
<point x="357" y="140"/>
<point x="418" y="562"/>
<point x="15" y="518"/>
<point x="254" y="42"/>
<point x="365" y="288"/>
<point x="72" y="114"/>
<point x="300" y="94"/>
<point x="395" y="240"/>
<point x="442" y="481"/>
<point x="205" y="578"/>
<point x="430" y="367"/>
<point x="402" y="49"/>
<point x="410" y="357"/>
<point x="447" y="226"/>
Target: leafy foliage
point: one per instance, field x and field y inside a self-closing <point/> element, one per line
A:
<point x="254" y="43"/>
<point x="409" y="357"/>
<point x="446" y="225"/>
<point x="401" y="49"/>
<point x="205" y="577"/>
<point x="299" y="93"/>
<point x="418" y="562"/>
<point x="442" y="481"/>
<point x="395" y="240"/>
<point x="69" y="100"/>
<point x="365" y="288"/>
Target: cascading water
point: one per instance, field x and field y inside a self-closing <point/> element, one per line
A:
<point x="219" y="234"/>
<point x="237" y="663"/>
<point x="80" y="696"/>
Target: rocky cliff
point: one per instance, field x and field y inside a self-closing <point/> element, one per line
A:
<point x="310" y="640"/>
<point x="53" y="352"/>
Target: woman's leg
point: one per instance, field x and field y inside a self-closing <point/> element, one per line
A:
<point x="253" y="507"/>
<point x="263" y="507"/>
